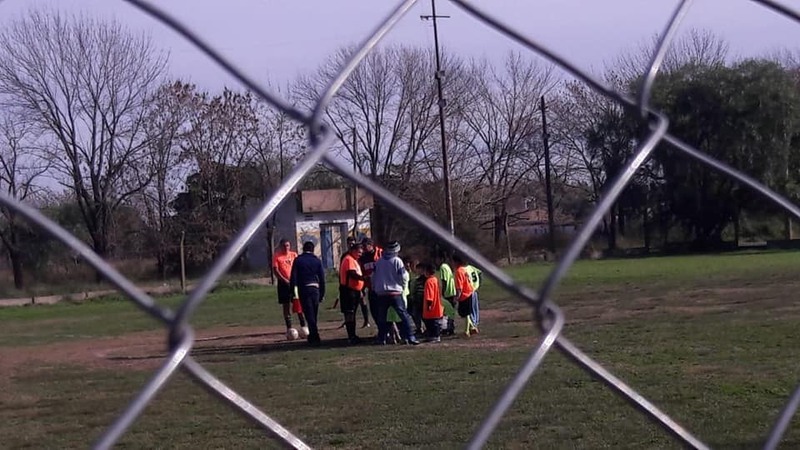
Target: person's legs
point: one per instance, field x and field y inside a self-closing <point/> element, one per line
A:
<point x="434" y="330"/>
<point x="430" y="326"/>
<point x="465" y="312"/>
<point x="379" y="308"/>
<point x="394" y="333"/>
<point x="396" y="302"/>
<point x="297" y="308"/>
<point x="309" y="297"/>
<point x="415" y="309"/>
<point x="476" y="310"/>
<point x="347" y="303"/>
<point x="285" y="299"/>
<point x="372" y="298"/>
<point x="364" y="313"/>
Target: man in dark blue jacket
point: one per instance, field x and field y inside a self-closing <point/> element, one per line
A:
<point x="308" y="276"/>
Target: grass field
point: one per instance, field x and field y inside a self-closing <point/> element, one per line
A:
<point x="712" y="340"/>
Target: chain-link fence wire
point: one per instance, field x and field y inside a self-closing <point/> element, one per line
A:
<point x="546" y="314"/>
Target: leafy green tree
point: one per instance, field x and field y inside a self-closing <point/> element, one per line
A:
<point x="745" y="114"/>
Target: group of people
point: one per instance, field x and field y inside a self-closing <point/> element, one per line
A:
<point x="379" y="282"/>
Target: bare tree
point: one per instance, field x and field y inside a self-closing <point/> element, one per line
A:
<point x="166" y="126"/>
<point x="276" y="144"/>
<point x="697" y="46"/>
<point x="19" y="170"/>
<point x="502" y="129"/>
<point x="219" y="150"/>
<point x="86" y="84"/>
<point x="389" y="106"/>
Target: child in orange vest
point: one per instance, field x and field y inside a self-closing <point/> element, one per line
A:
<point x="464" y="294"/>
<point x="432" y="309"/>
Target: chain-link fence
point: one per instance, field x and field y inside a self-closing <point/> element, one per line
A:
<point x="548" y="316"/>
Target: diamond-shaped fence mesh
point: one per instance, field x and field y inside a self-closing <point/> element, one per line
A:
<point x="548" y="317"/>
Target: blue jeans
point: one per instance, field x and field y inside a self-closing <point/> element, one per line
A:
<point x="383" y="303"/>
<point x="476" y="309"/>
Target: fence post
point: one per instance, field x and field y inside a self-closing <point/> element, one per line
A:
<point x="183" y="264"/>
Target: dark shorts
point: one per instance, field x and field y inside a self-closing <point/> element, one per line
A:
<point x="465" y="307"/>
<point x="349" y="300"/>
<point x="285" y="293"/>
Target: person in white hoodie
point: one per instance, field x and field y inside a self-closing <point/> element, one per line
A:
<point x="388" y="282"/>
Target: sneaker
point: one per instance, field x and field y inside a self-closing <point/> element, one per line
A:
<point x="355" y="340"/>
<point x="475" y="330"/>
<point x="413" y="342"/>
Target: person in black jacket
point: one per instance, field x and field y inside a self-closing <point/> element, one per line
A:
<point x="308" y="276"/>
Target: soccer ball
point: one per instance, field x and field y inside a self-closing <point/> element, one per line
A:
<point x="304" y="332"/>
<point x="292" y="334"/>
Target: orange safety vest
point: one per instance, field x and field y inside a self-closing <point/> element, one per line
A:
<point x="349" y="263"/>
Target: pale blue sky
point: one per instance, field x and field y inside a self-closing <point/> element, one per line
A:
<point x="277" y="39"/>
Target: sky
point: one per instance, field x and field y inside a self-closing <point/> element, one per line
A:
<point x="273" y="41"/>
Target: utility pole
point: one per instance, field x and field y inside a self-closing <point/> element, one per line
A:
<point x="448" y="198"/>
<point x="355" y="188"/>
<point x="547" y="187"/>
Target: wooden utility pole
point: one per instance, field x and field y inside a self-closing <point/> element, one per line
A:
<point x="448" y="197"/>
<point x="183" y="262"/>
<point x="355" y="186"/>
<point x="548" y="189"/>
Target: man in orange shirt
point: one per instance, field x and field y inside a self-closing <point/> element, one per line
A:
<point x="464" y="291"/>
<point x="432" y="308"/>
<point x="282" y="262"/>
<point x="351" y="285"/>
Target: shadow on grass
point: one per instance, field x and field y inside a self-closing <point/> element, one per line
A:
<point x="244" y="349"/>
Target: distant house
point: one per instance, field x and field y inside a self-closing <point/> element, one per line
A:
<point x="325" y="217"/>
<point x="534" y="222"/>
<point x="529" y="216"/>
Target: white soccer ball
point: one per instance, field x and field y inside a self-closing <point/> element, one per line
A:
<point x="292" y="334"/>
<point x="303" y="332"/>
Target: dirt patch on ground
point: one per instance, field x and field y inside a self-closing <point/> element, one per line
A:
<point x="144" y="350"/>
<point x="684" y="302"/>
<point x="147" y="350"/>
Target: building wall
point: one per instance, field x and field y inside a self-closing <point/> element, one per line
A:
<point x="257" y="252"/>
<point x="309" y="228"/>
<point x="300" y="227"/>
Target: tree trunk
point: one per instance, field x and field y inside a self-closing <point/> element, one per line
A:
<point x="100" y="242"/>
<point x="508" y="237"/>
<point x="612" y="230"/>
<point x="271" y="249"/>
<point x="646" y="230"/>
<point x="161" y="264"/>
<point x="16" y="268"/>
<point x="499" y="226"/>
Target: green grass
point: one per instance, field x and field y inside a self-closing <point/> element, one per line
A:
<point x="709" y="339"/>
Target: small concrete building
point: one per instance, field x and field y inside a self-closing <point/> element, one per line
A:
<point x="325" y="217"/>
